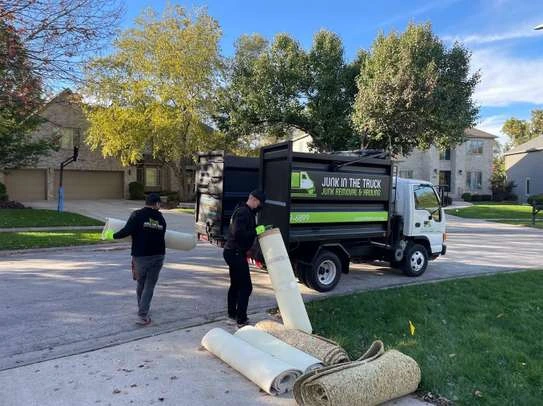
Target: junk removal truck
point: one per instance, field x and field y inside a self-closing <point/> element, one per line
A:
<point x="332" y="209"/>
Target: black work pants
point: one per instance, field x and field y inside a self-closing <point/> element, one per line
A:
<point x="240" y="284"/>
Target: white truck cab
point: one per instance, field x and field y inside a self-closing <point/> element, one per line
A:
<point x="422" y="226"/>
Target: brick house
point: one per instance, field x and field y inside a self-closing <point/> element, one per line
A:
<point x="92" y="176"/>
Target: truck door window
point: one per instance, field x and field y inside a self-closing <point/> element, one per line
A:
<point x="426" y="199"/>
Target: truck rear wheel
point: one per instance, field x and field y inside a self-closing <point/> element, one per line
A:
<point x="415" y="260"/>
<point x="325" y="273"/>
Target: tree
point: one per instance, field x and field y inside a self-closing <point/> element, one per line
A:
<point x="154" y="93"/>
<point x="521" y="131"/>
<point x="20" y="97"/>
<point x="273" y="88"/>
<point x="59" y="35"/>
<point x="413" y="92"/>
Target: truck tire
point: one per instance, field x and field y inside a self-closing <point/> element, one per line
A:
<point x="325" y="273"/>
<point x="415" y="260"/>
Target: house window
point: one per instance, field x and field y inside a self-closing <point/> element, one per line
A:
<point x="152" y="177"/>
<point x="528" y="186"/>
<point x="475" y="147"/>
<point x="69" y="138"/>
<point x="474" y="180"/>
<point x="407" y="174"/>
<point x="445" y="155"/>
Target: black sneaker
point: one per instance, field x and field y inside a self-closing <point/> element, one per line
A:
<point x="243" y="323"/>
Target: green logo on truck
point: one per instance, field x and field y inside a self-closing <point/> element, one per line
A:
<point x="301" y="185"/>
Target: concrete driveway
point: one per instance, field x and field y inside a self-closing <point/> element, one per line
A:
<point x="72" y="300"/>
<point x="120" y="209"/>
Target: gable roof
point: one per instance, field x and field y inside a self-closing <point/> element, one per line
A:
<point x="476" y="133"/>
<point x="535" y="144"/>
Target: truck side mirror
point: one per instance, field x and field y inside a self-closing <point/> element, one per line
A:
<point x="76" y="153"/>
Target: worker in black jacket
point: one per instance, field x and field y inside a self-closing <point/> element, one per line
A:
<point x="147" y="228"/>
<point x="240" y="239"/>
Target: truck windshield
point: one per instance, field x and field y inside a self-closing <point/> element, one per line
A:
<point x="426" y="199"/>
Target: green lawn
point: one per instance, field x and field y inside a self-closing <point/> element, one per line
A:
<point x="494" y="211"/>
<point x="477" y="341"/>
<point x="10" y="218"/>
<point x="187" y="211"/>
<point x="42" y="239"/>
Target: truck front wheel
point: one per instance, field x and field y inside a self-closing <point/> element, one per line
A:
<point x="325" y="273"/>
<point x="415" y="260"/>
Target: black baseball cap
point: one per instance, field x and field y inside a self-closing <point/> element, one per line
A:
<point x="259" y="194"/>
<point x="152" y="198"/>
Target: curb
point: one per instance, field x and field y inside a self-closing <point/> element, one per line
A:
<point x="86" y="247"/>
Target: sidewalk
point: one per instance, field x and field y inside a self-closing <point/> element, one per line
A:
<point x="168" y="369"/>
<point x="62" y="228"/>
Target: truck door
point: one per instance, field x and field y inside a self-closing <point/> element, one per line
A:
<point x="428" y="217"/>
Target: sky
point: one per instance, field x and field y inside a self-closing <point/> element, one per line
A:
<point x="506" y="50"/>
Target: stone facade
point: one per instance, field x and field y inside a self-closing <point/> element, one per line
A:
<point x="467" y="168"/>
<point x="63" y="115"/>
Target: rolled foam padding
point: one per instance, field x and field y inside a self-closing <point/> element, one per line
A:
<point x="174" y="239"/>
<point x="329" y="352"/>
<point x="279" y="349"/>
<point x="288" y="296"/>
<point x="269" y="373"/>
<point x="375" y="378"/>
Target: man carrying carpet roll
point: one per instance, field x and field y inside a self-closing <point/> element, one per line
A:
<point x="241" y="237"/>
<point x="147" y="228"/>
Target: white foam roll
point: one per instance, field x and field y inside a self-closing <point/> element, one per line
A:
<point x="270" y="374"/>
<point x="279" y="349"/>
<point x="288" y="296"/>
<point x="174" y="239"/>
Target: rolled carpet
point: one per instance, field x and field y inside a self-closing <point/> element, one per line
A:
<point x="279" y="349"/>
<point x="269" y="373"/>
<point x="376" y="377"/>
<point x="329" y="352"/>
<point x="287" y="293"/>
<point x="174" y="240"/>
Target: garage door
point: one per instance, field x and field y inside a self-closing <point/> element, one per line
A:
<point x="26" y="184"/>
<point x="88" y="185"/>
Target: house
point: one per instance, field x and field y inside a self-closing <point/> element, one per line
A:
<point x="464" y="168"/>
<point x="524" y="166"/>
<point x="92" y="176"/>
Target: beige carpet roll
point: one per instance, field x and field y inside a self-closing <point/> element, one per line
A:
<point x="375" y="378"/>
<point x="269" y="373"/>
<point x="329" y="352"/>
<point x="285" y="286"/>
<point x="174" y="240"/>
<point x="279" y="349"/>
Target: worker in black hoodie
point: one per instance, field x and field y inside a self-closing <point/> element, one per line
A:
<point x="240" y="239"/>
<point x="147" y="228"/>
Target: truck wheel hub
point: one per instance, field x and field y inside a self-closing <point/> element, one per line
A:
<point x="327" y="272"/>
<point x="417" y="261"/>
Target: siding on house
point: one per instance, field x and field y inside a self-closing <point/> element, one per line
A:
<point x="524" y="166"/>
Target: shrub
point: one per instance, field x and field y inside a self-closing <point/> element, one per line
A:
<point x="485" y="198"/>
<point x="466" y="197"/>
<point x="135" y="190"/>
<point x="10" y="204"/>
<point x="511" y="197"/>
<point x="3" y="193"/>
<point x="447" y="201"/>
<point x="535" y="199"/>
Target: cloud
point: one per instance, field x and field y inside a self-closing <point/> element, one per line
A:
<point x="431" y="5"/>
<point x="493" y="125"/>
<point x="506" y="79"/>
<point x="526" y="31"/>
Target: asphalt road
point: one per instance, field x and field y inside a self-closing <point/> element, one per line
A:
<point x="68" y="301"/>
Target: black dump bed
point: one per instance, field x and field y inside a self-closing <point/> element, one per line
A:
<point x="222" y="181"/>
<point x="325" y="197"/>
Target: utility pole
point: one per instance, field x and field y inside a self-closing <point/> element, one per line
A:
<point x="64" y="163"/>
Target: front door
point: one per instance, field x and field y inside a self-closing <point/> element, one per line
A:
<point x="428" y="216"/>
<point x="445" y="180"/>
